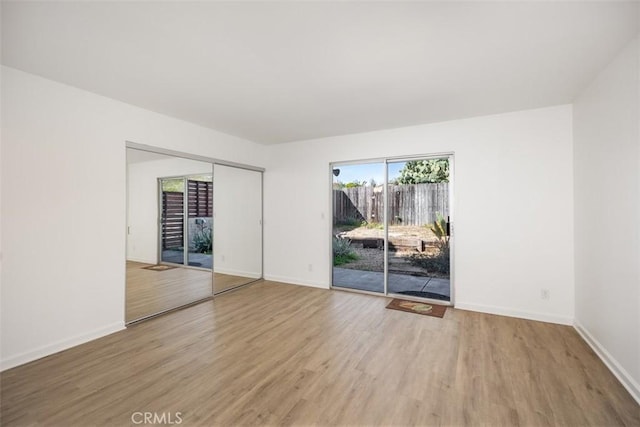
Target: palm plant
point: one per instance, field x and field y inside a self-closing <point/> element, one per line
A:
<point x="439" y="262"/>
<point x="439" y="229"/>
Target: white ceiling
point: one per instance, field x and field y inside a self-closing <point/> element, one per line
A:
<point x="283" y="71"/>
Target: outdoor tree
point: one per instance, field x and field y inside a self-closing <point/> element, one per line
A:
<point x="354" y="184"/>
<point x="424" y="171"/>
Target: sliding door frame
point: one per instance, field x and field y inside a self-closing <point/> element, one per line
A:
<point x="332" y="166"/>
<point x="450" y="155"/>
<point x="212" y="160"/>
<point x="185" y="219"/>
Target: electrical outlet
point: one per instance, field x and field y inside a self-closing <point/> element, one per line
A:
<point x="222" y="258"/>
<point x="544" y="294"/>
<point x="310" y="267"/>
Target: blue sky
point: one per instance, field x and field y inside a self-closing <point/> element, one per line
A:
<point x="364" y="172"/>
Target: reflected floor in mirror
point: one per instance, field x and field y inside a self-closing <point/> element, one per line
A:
<point x="150" y="292"/>
<point x="226" y="282"/>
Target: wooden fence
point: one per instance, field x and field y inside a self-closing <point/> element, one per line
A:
<point x="200" y="205"/>
<point x="172" y="220"/>
<point x="200" y="198"/>
<point x="409" y="204"/>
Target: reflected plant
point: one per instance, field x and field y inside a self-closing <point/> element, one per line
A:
<point x="203" y="241"/>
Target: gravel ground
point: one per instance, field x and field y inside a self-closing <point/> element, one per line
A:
<point x="368" y="260"/>
<point x="373" y="259"/>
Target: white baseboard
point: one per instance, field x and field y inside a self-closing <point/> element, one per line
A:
<point x="502" y="311"/>
<point x="250" y="274"/>
<point x="621" y="374"/>
<point x="142" y="261"/>
<point x="49" y="349"/>
<point x="294" y="281"/>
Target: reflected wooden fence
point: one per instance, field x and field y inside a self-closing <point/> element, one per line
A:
<point x="409" y="204"/>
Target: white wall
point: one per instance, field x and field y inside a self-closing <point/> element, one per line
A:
<point x="513" y="207"/>
<point x="1" y="213"/>
<point x="63" y="208"/>
<point x="237" y="228"/>
<point x="607" y="215"/>
<point x="142" y="207"/>
<point x="64" y="244"/>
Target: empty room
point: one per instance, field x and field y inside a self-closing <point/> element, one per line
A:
<point x="225" y="213"/>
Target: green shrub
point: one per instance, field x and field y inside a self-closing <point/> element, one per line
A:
<point x="350" y="221"/>
<point x="342" y="252"/>
<point x="341" y="246"/>
<point x="438" y="263"/>
<point x="340" y="260"/>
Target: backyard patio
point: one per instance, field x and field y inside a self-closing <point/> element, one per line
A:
<point x="408" y="245"/>
<point x="195" y="259"/>
<point x="426" y="287"/>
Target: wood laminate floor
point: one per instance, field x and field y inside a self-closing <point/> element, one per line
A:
<point x="274" y="354"/>
<point x="149" y="292"/>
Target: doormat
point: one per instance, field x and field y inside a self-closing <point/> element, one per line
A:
<point x="417" y="307"/>
<point x="159" y="267"/>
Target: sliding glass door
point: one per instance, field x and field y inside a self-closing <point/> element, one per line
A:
<point x="391" y="227"/>
<point x="358" y="226"/>
<point x="418" y="228"/>
<point x="199" y="231"/>
<point x="186" y="220"/>
<point x="172" y="220"/>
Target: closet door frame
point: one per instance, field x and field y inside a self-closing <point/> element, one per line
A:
<point x="213" y="162"/>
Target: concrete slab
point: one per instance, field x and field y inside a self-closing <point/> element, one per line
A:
<point x="429" y="287"/>
<point x="195" y="260"/>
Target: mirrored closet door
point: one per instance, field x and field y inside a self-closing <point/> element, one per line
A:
<point x="167" y="267"/>
<point x="237" y="246"/>
<point x="194" y="228"/>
